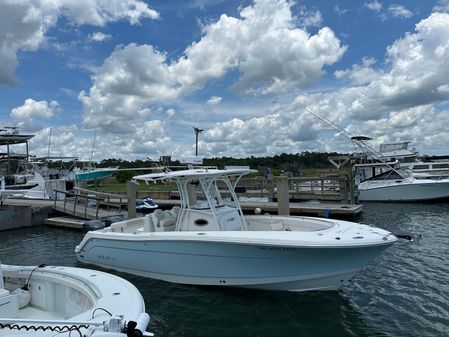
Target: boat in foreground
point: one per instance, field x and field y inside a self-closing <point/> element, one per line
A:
<point x="208" y="241"/>
<point x="68" y="301"/>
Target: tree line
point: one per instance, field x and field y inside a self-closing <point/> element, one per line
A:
<point x="294" y="163"/>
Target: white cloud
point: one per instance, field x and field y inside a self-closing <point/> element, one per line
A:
<point x="171" y="112"/>
<point x="309" y="18"/>
<point x="214" y="100"/>
<point x="360" y="74"/>
<point x="100" y="12"/>
<point x="399" y="11"/>
<point x="340" y="11"/>
<point x="134" y="75"/>
<point x="395" y="105"/>
<point x="29" y="115"/>
<point x="441" y="6"/>
<point x="375" y="6"/>
<point x="99" y="37"/>
<point x="24" y="23"/>
<point x="393" y="10"/>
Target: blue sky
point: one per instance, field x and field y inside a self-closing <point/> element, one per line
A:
<point x="141" y="74"/>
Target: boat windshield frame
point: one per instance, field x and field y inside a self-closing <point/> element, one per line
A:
<point x="207" y="179"/>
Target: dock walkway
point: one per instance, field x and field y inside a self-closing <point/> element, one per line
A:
<point x="313" y="208"/>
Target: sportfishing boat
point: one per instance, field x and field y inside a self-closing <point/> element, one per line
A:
<point x="393" y="183"/>
<point x="421" y="166"/>
<point x="66" y="301"/>
<point x="380" y="179"/>
<point x="208" y="241"/>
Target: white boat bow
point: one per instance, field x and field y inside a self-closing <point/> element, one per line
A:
<point x="66" y="301"/>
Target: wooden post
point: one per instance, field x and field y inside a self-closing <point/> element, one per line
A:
<point x="283" y="196"/>
<point x="131" y="193"/>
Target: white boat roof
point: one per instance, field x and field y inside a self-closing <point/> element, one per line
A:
<point x="194" y="174"/>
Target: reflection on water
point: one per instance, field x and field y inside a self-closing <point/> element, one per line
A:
<point x="404" y="293"/>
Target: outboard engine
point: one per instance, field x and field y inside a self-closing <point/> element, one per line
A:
<point x="92" y="225"/>
<point x="113" y="219"/>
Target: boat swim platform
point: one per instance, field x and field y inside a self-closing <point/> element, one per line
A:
<point x="66" y="222"/>
<point x="313" y="208"/>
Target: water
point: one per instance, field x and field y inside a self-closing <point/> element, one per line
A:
<point x="404" y="293"/>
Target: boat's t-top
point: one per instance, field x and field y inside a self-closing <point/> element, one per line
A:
<point x="208" y="199"/>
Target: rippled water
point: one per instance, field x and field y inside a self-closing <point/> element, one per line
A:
<point x="404" y="293"/>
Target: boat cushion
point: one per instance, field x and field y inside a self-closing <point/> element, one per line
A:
<point x="3" y="292"/>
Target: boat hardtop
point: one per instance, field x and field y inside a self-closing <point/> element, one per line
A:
<point x="194" y="173"/>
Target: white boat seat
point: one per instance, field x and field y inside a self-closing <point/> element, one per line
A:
<point x="175" y="211"/>
<point x="3" y="292"/>
<point x="278" y="226"/>
<point x="9" y="307"/>
<point x="167" y="222"/>
<point x="148" y="225"/>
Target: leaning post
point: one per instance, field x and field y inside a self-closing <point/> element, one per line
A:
<point x="131" y="194"/>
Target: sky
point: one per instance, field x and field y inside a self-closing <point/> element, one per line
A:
<point x="130" y="79"/>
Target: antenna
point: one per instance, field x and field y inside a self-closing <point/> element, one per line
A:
<point x="93" y="145"/>
<point x="49" y="143"/>
<point x="357" y="141"/>
<point x="197" y="132"/>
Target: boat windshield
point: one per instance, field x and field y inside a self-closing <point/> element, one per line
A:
<point x="208" y="189"/>
<point x="388" y="175"/>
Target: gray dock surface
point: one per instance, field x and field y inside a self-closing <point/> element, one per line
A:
<point x="296" y="208"/>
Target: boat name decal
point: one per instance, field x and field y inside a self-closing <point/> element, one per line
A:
<point x="106" y="258"/>
<point x="277" y="248"/>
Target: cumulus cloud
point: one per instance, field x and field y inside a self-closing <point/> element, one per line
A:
<point x="100" y="12"/>
<point x="360" y="74"/>
<point x="24" y="23"/>
<point x="214" y="100"/>
<point x="137" y="75"/>
<point x="396" y="104"/>
<point x="171" y="112"/>
<point x="399" y="11"/>
<point x="99" y="37"/>
<point x="393" y="10"/>
<point x="375" y="6"/>
<point x="441" y="6"/>
<point x="30" y="115"/>
<point x="310" y="18"/>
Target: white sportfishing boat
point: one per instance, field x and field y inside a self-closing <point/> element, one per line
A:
<point x="379" y="179"/>
<point x="65" y="301"/>
<point x="421" y="166"/>
<point x="208" y="241"/>
<point x="398" y="185"/>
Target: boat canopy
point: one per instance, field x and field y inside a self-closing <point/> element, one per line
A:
<point x="193" y="174"/>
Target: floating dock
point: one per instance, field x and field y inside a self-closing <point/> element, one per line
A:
<point x="312" y="208"/>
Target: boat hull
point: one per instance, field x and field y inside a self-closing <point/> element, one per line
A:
<point x="423" y="191"/>
<point x="94" y="175"/>
<point x="259" y="266"/>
